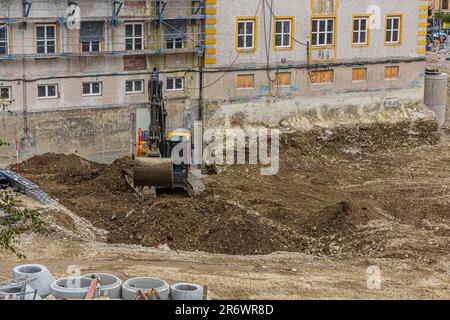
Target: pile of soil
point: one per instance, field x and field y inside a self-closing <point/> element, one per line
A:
<point x="331" y="185"/>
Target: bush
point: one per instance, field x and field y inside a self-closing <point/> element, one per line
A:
<point x="17" y="222"/>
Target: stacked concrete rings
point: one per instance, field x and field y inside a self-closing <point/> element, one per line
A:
<point x="132" y="286"/>
<point x="110" y="285"/>
<point x="73" y="288"/>
<point x="39" y="276"/>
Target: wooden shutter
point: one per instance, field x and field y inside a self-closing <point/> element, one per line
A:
<point x="283" y="79"/>
<point x="391" y="72"/>
<point x="359" y="74"/>
<point x="323" y="76"/>
<point x="245" y="81"/>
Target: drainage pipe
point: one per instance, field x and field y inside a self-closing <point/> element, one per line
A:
<point x="132" y="286"/>
<point x="186" y="291"/>
<point x="110" y="285"/>
<point x="73" y="288"/>
<point x="38" y="276"/>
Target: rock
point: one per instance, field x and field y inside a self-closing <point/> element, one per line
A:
<point x="114" y="217"/>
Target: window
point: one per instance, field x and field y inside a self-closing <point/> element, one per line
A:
<point x="360" y="31"/>
<point x="134" y="86"/>
<point x="393" y="30"/>
<point x="92" y="88"/>
<point x="283" y="33"/>
<point x="91" y="36"/>
<point x="174" y="84"/>
<point x="5" y="93"/>
<point x="359" y="74"/>
<point x="4" y="45"/>
<point x="46" y="38"/>
<point x="322" y="76"/>
<point x="134" y="36"/>
<point x="48" y="91"/>
<point x="175" y="33"/>
<point x="391" y="72"/>
<point x="175" y="43"/>
<point x="246" y="34"/>
<point x="245" y="81"/>
<point x="91" y="46"/>
<point x="283" y="79"/>
<point x="322" y="32"/>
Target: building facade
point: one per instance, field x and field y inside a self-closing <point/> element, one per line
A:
<point x="288" y="57"/>
<point x="75" y="73"/>
<point x="82" y="88"/>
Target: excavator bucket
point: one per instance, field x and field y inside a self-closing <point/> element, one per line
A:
<point x="153" y="172"/>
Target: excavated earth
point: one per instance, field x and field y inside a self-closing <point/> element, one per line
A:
<point x="369" y="191"/>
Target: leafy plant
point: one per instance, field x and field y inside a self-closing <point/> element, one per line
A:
<point x="16" y="222"/>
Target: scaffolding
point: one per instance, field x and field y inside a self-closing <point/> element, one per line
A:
<point x="158" y="15"/>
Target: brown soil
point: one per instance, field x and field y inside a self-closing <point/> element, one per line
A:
<point x="332" y="186"/>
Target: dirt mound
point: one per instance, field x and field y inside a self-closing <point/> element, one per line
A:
<point x="331" y="187"/>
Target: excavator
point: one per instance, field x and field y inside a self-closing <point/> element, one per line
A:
<point x="153" y="167"/>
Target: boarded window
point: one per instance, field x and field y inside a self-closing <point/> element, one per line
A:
<point x="323" y="76"/>
<point x="359" y="74"/>
<point x="245" y="81"/>
<point x="391" y="72"/>
<point x="283" y="79"/>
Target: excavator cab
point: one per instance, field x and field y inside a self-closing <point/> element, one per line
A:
<point x="180" y="171"/>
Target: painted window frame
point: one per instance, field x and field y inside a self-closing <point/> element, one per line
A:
<point x="133" y="81"/>
<point x="326" y="32"/>
<point x="56" y="96"/>
<point x="6" y="41"/>
<point x="361" y="17"/>
<point x="253" y="20"/>
<point x="133" y="36"/>
<point x="91" y="86"/>
<point x="46" y="40"/>
<point x="9" y="92"/>
<point x="400" y="30"/>
<point x="291" y="33"/>
<point x="174" y="88"/>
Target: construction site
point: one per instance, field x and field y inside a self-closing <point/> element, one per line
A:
<point x="91" y="188"/>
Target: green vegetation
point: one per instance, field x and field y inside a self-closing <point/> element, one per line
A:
<point x="15" y="221"/>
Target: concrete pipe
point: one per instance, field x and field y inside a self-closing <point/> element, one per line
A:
<point x="186" y="291"/>
<point x="39" y="276"/>
<point x="132" y="286"/>
<point x="436" y="87"/>
<point x="110" y="285"/>
<point x="73" y="288"/>
<point x="15" y="292"/>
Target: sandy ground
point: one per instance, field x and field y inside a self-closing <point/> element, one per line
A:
<point x="344" y="201"/>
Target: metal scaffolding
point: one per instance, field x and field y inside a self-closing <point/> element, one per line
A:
<point x="158" y="15"/>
